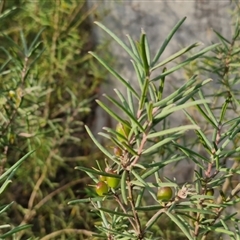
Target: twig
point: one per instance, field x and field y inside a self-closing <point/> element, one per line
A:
<point x="67" y="231"/>
<point x="125" y="211"/>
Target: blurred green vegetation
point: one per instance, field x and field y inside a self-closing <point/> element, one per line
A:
<point x="47" y="84"/>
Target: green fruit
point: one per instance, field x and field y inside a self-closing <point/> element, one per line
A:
<point x="124" y="130"/>
<point x="11" y="94"/>
<point x="112" y="182"/>
<point x="210" y="192"/>
<point x="101" y="188"/>
<point x="102" y="178"/>
<point x="164" y="194"/>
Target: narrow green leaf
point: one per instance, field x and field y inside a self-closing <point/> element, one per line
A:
<point x="209" y="111"/>
<point x="123" y="100"/>
<point x="133" y="46"/>
<point x="221" y="230"/>
<point x="34" y="42"/>
<point x="36" y="58"/>
<point x="201" y="135"/>
<point x="228" y="140"/>
<point x="149" y="112"/>
<point x="153" y="219"/>
<point x="122" y="144"/>
<point x="187" y="61"/>
<point x="153" y="93"/>
<point x="139" y="178"/>
<point x="180" y="224"/>
<point x="149" y="208"/>
<point x="161" y="143"/>
<point x="171" y="108"/>
<point x="155" y="167"/>
<point x="15" y="230"/>
<point x="190" y="152"/>
<point x="152" y="171"/>
<point x="173" y="159"/>
<point x="114" y="133"/>
<point x="139" y="198"/>
<point x="7" y="12"/>
<point x="140" y="182"/>
<point x="16" y="165"/>
<point x="116" y="233"/>
<point x="120" y="42"/>
<point x="12" y="42"/>
<point x="147" y="50"/>
<point x="223" y="40"/>
<point x="176" y="55"/>
<point x="237" y="30"/>
<point x="202" y="211"/>
<point x="99" y="236"/>
<point x="197" y="196"/>
<point x="3" y="65"/>
<point x="144" y="53"/>
<point x="104" y="150"/>
<point x="144" y="94"/>
<point x="103" y="217"/>
<point x="178" y="94"/>
<point x="172" y="130"/>
<point x="115" y="74"/>
<point x="139" y="73"/>
<point x="166" y="41"/>
<point x="110" y="112"/>
<point x="234" y="65"/>
<point x="4" y="185"/>
<point x="130" y="101"/>
<point x="85" y="200"/>
<point x="206" y="116"/>
<point x="116" y="212"/>
<point x="24" y="43"/>
<point x="5" y="208"/>
<point x="224" y="108"/>
<point x="161" y="86"/>
<point x="123" y="187"/>
<point x="129" y="114"/>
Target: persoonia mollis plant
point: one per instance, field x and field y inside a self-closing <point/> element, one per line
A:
<point x="132" y="198"/>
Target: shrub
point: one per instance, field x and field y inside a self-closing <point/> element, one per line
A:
<point x="206" y="206"/>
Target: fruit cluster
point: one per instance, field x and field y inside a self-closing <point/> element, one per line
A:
<point x="106" y="182"/>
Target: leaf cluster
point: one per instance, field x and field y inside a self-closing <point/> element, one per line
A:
<point x="47" y="82"/>
<point x="199" y="208"/>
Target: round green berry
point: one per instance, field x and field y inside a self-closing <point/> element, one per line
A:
<point x="210" y="192"/>
<point x="101" y="188"/>
<point x="164" y="194"/>
<point x="112" y="182"/>
<point x="102" y="178"/>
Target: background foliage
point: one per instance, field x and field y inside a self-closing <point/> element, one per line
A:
<point x="47" y="84"/>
